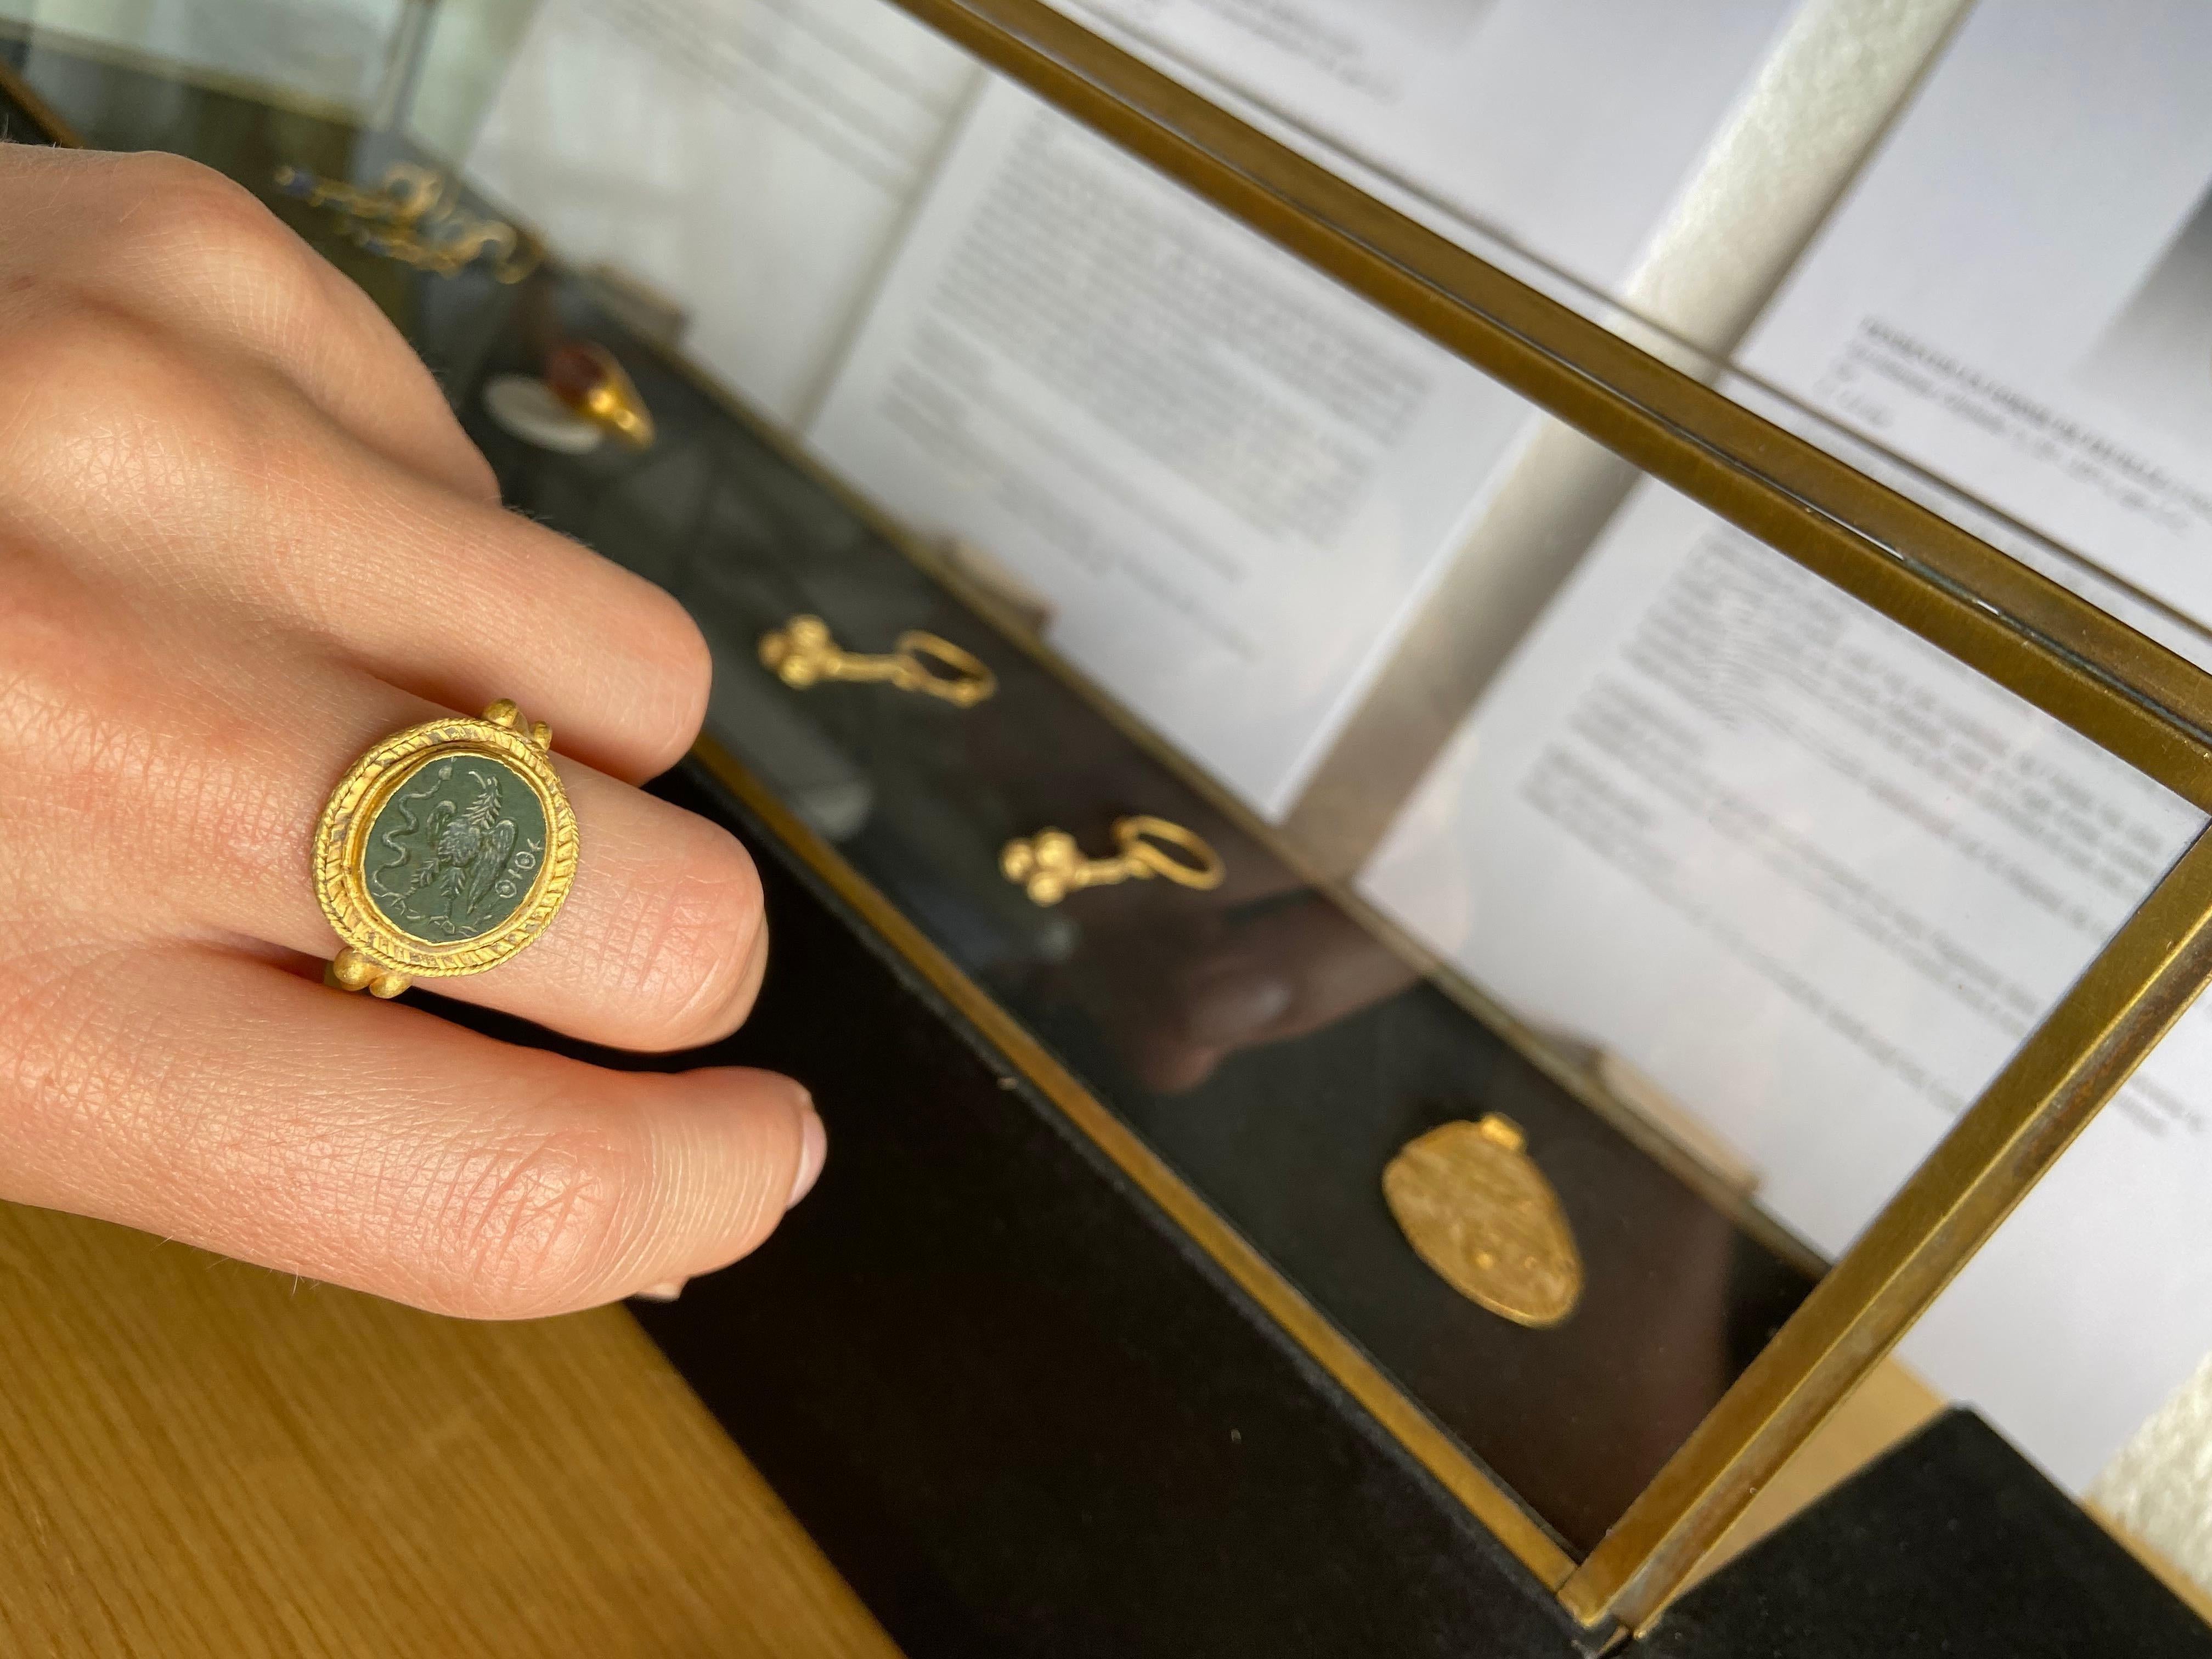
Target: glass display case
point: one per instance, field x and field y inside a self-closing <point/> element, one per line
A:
<point x="1538" y="672"/>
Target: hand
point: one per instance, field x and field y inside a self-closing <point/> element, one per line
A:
<point x="242" y="539"/>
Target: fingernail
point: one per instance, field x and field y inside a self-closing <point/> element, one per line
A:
<point x="813" y="1152"/>
<point x="666" y="1290"/>
<point x="1236" y="1008"/>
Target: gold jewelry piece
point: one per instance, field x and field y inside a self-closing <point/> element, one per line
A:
<point x="1048" y="866"/>
<point x="586" y="376"/>
<point x="444" y="850"/>
<point x="801" y="654"/>
<point x="414" y="216"/>
<point x="1476" y="1208"/>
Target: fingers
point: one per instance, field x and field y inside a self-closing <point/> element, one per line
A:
<point x="203" y="408"/>
<point x="177" y="245"/>
<point x="242" y="503"/>
<point x="463" y="605"/>
<point x="242" y="541"/>
<point x="222" y="1101"/>
<point x="661" y="945"/>
<point x="1289" y="969"/>
<point x="162" y="806"/>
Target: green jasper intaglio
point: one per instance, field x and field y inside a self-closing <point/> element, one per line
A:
<point x="454" y="850"/>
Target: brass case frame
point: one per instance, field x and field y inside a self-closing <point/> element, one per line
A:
<point x="2124" y="692"/>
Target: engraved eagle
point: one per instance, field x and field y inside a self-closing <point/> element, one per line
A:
<point x="456" y="857"/>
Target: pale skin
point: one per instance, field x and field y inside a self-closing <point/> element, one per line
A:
<point x="241" y="540"/>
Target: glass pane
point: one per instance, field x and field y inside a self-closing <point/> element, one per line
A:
<point x="1959" y="245"/>
<point x="1669" y="162"/>
<point x="1546" y="798"/>
<point x="2007" y="300"/>
<point x="2087" y="1309"/>
<point x="1786" y="871"/>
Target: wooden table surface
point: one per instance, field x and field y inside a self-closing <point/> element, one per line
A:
<point x="201" y="1458"/>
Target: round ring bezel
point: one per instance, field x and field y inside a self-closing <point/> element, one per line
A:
<point x="342" y="834"/>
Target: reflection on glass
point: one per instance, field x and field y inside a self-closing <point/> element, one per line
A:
<point x="752" y="161"/>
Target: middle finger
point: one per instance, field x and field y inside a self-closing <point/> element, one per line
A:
<point x="660" y="945"/>
<point x="237" y="498"/>
<point x="191" y="807"/>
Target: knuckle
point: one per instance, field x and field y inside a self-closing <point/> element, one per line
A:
<point x="690" y="957"/>
<point x="537" y="1223"/>
<point x="161" y="175"/>
<point x="68" y="739"/>
<point x="680" y="674"/>
<point x="470" y="470"/>
<point x="193" y="217"/>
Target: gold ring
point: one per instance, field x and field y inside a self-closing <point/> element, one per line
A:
<point x="444" y="850"/>
<point x="585" y="377"/>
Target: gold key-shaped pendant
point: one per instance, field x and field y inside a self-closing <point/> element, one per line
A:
<point x="1049" y="866"/>
<point x="802" y="653"/>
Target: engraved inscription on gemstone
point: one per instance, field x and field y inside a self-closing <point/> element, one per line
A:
<point x="454" y="851"/>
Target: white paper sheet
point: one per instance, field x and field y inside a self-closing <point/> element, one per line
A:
<point x="753" y="160"/>
<point x="1232" y="481"/>
<point x="2012" y="295"/>
<point x="1566" y="129"/>
<point x="1817" y="880"/>
<point x="1227" y="477"/>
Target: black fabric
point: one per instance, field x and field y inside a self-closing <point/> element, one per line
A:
<point x="1019" y="1414"/>
<point x="1954" y="1545"/>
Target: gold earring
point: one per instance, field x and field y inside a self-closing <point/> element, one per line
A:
<point x="1048" y="866"/>
<point x="802" y="653"/>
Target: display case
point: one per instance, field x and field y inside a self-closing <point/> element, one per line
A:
<point x="1480" y="739"/>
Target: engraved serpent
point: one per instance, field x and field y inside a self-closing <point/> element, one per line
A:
<point x="402" y="805"/>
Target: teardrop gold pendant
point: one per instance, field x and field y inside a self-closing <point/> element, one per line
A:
<point x="1475" y="1207"/>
